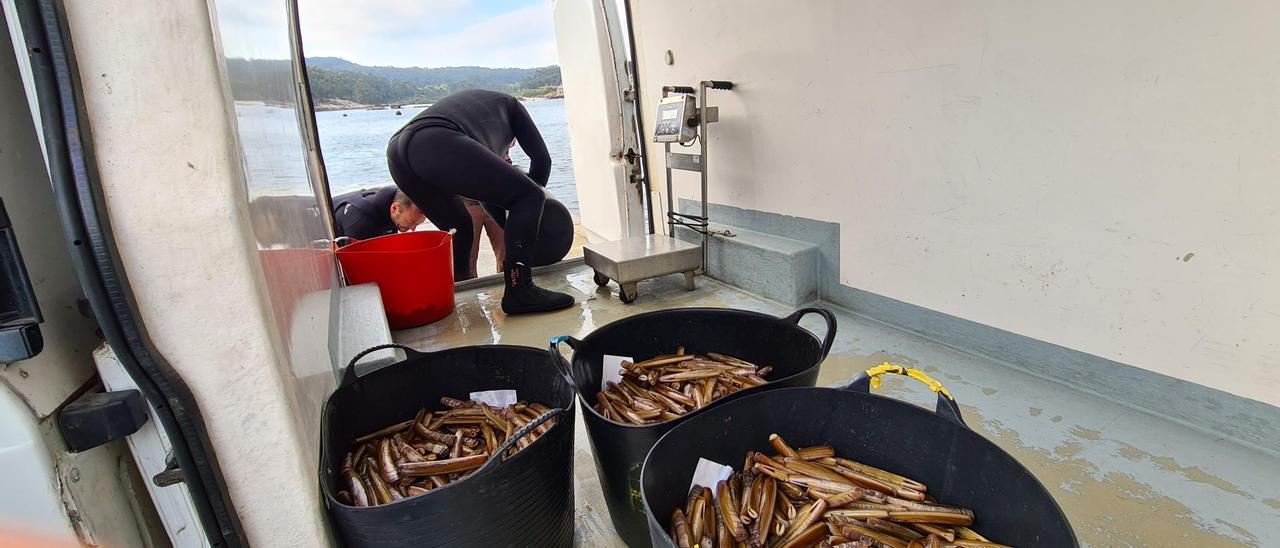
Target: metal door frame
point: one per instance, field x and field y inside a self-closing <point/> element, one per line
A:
<point x="637" y="219"/>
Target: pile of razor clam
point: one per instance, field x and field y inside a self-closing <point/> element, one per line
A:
<point x="812" y="497"/>
<point x="431" y="450"/>
<point x="665" y="387"/>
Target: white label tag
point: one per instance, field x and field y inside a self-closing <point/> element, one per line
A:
<point x="708" y="474"/>
<point x="610" y="370"/>
<point x="495" y="398"/>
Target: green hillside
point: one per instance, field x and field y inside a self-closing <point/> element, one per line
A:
<point x="333" y="78"/>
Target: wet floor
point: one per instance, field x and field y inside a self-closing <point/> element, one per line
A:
<point x="1123" y="477"/>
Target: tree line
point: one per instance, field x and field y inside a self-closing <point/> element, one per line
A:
<point x="332" y="78"/>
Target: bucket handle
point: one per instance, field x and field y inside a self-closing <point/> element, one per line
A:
<point x="830" y="337"/>
<point x="563" y="365"/>
<point x="947" y="407"/>
<point x="349" y="375"/>
<point x="496" y="456"/>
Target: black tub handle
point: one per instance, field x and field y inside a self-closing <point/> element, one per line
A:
<point x="496" y="456"/>
<point x="349" y="375"/>
<point x="830" y="337"/>
<point x="947" y="406"/>
<point x="563" y="365"/>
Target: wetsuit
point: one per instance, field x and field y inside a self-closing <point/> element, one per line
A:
<point x="454" y="149"/>
<point x="364" y="214"/>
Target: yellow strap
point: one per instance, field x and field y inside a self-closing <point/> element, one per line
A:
<point x="886" y="367"/>
<point x="883" y="368"/>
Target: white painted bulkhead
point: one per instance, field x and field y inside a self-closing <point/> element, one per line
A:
<point x="175" y="180"/>
<point x="1097" y="175"/>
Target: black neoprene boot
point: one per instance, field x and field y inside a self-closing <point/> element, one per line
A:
<point x="520" y="296"/>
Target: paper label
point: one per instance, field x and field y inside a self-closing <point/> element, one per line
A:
<point x="610" y="369"/>
<point x="495" y="398"/>
<point x="708" y="474"/>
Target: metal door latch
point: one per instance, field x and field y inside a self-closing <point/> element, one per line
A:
<point x="170" y="475"/>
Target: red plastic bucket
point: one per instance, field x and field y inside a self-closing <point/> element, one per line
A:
<point x="413" y="270"/>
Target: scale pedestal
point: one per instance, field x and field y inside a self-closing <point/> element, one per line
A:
<point x="631" y="260"/>
<point x="682" y="119"/>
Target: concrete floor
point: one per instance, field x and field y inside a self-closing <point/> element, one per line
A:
<point x="1124" y="478"/>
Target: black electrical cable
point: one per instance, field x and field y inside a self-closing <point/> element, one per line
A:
<point x="635" y="96"/>
<point x="82" y="212"/>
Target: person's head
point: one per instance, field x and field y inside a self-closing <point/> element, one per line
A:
<point x="405" y="214"/>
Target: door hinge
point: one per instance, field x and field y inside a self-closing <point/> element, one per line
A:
<point x="96" y="418"/>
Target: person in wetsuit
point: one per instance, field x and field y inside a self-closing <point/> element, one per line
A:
<point x="454" y="149"/>
<point x="365" y="214"/>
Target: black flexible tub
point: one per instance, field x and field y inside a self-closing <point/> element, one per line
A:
<point x="619" y="449"/>
<point x="958" y="465"/>
<point x="524" y="500"/>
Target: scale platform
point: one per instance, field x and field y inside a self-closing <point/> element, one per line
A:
<point x="631" y="260"/>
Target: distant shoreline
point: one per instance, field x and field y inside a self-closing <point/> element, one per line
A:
<point x="343" y="104"/>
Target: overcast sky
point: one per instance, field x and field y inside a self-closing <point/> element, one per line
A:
<point x="431" y="33"/>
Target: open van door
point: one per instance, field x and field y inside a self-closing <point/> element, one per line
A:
<point x="600" y="105"/>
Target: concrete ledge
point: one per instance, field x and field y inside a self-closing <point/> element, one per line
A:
<point x="824" y="235"/>
<point x="364" y="325"/>
<point x="773" y="267"/>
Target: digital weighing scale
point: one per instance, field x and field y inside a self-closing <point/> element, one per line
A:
<point x="631" y="260"/>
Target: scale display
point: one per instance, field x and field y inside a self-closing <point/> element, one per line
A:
<point x="674" y="119"/>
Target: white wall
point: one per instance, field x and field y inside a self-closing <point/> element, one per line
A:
<point x="1044" y="167"/>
